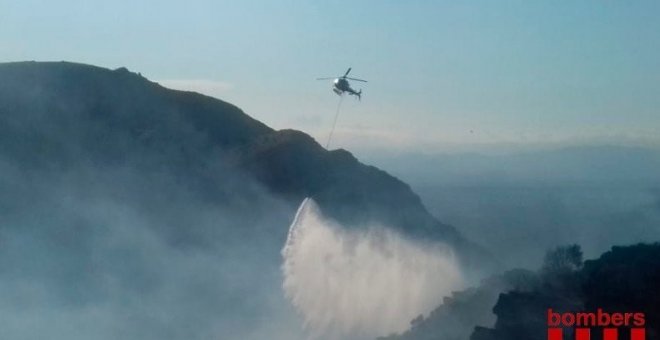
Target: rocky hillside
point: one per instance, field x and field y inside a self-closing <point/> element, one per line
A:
<point x="60" y="115"/>
<point x="514" y="305"/>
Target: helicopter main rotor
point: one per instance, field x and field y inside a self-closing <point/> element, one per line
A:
<point x="345" y="76"/>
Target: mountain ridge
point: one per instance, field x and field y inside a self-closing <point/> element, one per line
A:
<point x="60" y="113"/>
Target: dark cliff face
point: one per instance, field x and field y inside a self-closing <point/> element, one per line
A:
<point x="56" y="115"/>
<point x="622" y="280"/>
<point x="514" y="305"/>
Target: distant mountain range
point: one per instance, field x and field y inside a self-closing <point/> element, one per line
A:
<point x="602" y="164"/>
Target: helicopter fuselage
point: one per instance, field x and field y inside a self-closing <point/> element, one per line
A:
<point x="341" y="85"/>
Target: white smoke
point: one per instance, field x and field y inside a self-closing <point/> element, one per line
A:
<point x="354" y="284"/>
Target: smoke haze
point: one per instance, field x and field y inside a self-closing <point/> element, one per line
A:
<point x="128" y="211"/>
<point x="118" y="253"/>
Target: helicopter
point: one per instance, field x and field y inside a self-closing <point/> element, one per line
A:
<point x="342" y="86"/>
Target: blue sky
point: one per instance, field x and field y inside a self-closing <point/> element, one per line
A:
<point x="442" y="75"/>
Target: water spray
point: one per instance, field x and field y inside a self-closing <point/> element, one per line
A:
<point x="351" y="282"/>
